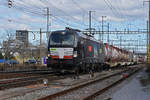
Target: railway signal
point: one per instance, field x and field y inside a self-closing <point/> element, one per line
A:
<point x="9" y="3"/>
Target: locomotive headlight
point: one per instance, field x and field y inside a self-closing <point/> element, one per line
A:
<point x="75" y="54"/>
<point x="49" y="55"/>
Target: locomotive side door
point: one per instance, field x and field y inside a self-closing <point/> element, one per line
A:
<point x="81" y="48"/>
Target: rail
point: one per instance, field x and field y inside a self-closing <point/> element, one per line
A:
<point x="61" y="93"/>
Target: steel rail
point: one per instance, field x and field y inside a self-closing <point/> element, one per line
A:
<point x="24" y="81"/>
<point x="99" y="92"/>
<point x="50" y="97"/>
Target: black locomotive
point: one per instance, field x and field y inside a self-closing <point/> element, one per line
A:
<point x="72" y="50"/>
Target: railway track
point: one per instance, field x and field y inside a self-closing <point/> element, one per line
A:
<point x="29" y="82"/>
<point x="28" y="79"/>
<point x="89" y="90"/>
<point x="24" y="81"/>
<point x="13" y="75"/>
<point x="104" y="89"/>
<point x="35" y="71"/>
<point x="19" y="74"/>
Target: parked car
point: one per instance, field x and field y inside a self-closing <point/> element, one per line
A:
<point x="11" y="62"/>
<point x="31" y="61"/>
<point x="38" y="62"/>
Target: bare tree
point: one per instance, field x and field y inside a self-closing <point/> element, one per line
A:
<point x="11" y="45"/>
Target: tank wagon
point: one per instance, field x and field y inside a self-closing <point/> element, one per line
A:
<point x="71" y="50"/>
<point x="116" y="57"/>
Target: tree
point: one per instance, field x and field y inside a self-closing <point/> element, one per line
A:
<point x="7" y="45"/>
<point x="1" y="56"/>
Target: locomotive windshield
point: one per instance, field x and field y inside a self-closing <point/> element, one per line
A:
<point x="62" y="38"/>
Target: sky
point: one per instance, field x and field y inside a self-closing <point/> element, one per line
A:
<point x="31" y="14"/>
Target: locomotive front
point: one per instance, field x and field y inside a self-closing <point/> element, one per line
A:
<point x="62" y="52"/>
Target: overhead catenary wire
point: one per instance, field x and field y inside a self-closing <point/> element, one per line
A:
<point x="45" y="14"/>
<point x="38" y="12"/>
<point x="85" y="11"/>
<point x="60" y="21"/>
<point x="14" y="20"/>
<point x="23" y="8"/>
<point x="113" y="9"/>
<point x="66" y="14"/>
<point x="17" y="21"/>
<point x="28" y="11"/>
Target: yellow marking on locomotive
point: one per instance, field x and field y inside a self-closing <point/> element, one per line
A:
<point x="148" y="57"/>
<point x="100" y="50"/>
<point x="53" y="49"/>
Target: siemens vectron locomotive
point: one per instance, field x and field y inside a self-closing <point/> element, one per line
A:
<point x="72" y="50"/>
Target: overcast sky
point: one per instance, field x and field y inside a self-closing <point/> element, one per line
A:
<point x="31" y="14"/>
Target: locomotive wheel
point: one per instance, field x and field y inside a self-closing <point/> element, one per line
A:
<point x="77" y="70"/>
<point x="48" y="65"/>
<point x="92" y="67"/>
<point x="100" y="68"/>
<point x="86" y="68"/>
<point x="83" y="68"/>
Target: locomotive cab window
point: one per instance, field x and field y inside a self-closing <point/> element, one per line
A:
<point x="62" y="38"/>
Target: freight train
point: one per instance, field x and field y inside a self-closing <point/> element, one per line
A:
<point x="71" y="50"/>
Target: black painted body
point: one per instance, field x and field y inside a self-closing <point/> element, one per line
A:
<point x="90" y="54"/>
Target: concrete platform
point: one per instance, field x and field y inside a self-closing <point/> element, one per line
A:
<point x="136" y="89"/>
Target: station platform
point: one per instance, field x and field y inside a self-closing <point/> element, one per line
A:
<point x="137" y="88"/>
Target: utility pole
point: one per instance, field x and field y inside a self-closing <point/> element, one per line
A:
<point x="99" y="32"/>
<point x="103" y="26"/>
<point x="139" y="37"/>
<point x="40" y="46"/>
<point x="148" y="54"/>
<point x="108" y="34"/>
<point x="120" y="41"/>
<point x="147" y="42"/>
<point x="147" y="37"/>
<point x="47" y="33"/>
<point x="90" y="21"/>
<point x="149" y="25"/>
